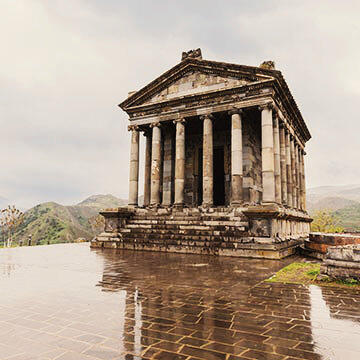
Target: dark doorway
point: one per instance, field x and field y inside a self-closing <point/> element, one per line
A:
<point x="200" y="178"/>
<point x="219" y="183"/>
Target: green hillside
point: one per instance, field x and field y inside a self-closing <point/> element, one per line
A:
<point x="342" y="200"/>
<point x="349" y="217"/>
<point x="54" y="223"/>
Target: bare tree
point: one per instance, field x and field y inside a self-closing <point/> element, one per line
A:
<point x="10" y="219"/>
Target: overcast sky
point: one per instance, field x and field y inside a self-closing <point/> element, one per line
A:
<point x="65" y="65"/>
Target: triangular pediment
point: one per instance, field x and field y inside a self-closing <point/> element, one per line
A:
<point x="195" y="82"/>
<point x="191" y="78"/>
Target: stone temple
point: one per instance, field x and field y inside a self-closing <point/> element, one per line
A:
<point x="224" y="163"/>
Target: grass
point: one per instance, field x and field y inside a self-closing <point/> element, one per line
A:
<point x="307" y="273"/>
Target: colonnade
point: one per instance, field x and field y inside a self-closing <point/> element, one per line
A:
<point x="283" y="174"/>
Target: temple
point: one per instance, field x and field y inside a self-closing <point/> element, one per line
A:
<point x="224" y="163"/>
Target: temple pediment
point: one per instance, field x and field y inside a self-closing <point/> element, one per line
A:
<point x="192" y="77"/>
<point x="196" y="82"/>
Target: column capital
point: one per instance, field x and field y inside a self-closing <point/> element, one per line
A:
<point x="267" y="106"/>
<point x="180" y="120"/>
<point x="146" y="132"/>
<point x="207" y="116"/>
<point x="276" y="112"/>
<point x="234" y="111"/>
<point x="155" y="124"/>
<point x="133" y="128"/>
<point x="282" y="124"/>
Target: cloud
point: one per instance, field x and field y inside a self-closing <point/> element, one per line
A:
<point x="66" y="66"/>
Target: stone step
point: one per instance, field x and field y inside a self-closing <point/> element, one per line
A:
<point x="181" y="233"/>
<point x="188" y="222"/>
<point x="174" y="227"/>
<point x="189" y="218"/>
<point x="182" y="230"/>
<point x="187" y="240"/>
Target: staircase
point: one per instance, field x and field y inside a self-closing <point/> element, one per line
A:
<point x="220" y="231"/>
<point x="183" y="232"/>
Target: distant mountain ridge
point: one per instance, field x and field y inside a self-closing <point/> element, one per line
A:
<point x="343" y="200"/>
<point x="55" y="223"/>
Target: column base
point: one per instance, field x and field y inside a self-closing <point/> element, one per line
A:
<point x="236" y="203"/>
<point x="207" y="205"/>
<point x="178" y="206"/>
<point x="133" y="205"/>
<point x="154" y="206"/>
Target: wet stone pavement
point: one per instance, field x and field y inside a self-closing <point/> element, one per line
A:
<point x="68" y="302"/>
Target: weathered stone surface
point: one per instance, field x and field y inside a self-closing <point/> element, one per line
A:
<point x="147" y="172"/>
<point x="267" y="138"/>
<point x="319" y="243"/>
<point x="236" y="158"/>
<point x="180" y="162"/>
<point x="289" y="178"/>
<point x="277" y="170"/>
<point x="342" y="262"/>
<point x="155" y="164"/>
<point x="134" y="166"/>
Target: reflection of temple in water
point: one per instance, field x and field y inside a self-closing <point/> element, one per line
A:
<point x="335" y="317"/>
<point x="205" y="306"/>
<point x="201" y="305"/>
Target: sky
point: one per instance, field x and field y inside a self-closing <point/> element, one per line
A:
<point x="65" y="65"/>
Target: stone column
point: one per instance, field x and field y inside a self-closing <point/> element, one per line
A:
<point x="293" y="171"/>
<point x="298" y="176"/>
<point x="236" y="157"/>
<point x="267" y="154"/>
<point x="283" y="165"/>
<point x="303" y="185"/>
<point x="147" y="172"/>
<point x="208" y="181"/>
<point x="167" y="165"/>
<point x="155" y="164"/>
<point x="289" y="179"/>
<point x="277" y="172"/>
<point x="179" y="162"/>
<point x="300" y="180"/>
<point x="134" y="166"/>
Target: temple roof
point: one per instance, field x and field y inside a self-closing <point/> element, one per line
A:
<point x="173" y="84"/>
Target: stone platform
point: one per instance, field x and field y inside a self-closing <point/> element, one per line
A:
<point x="255" y="232"/>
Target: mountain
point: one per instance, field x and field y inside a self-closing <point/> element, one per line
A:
<point x="329" y="202"/>
<point x="349" y="217"/>
<point x="102" y="202"/>
<point x="350" y="192"/>
<point x="343" y="200"/>
<point x="54" y="223"/>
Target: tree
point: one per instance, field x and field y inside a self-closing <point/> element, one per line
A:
<point x="326" y="221"/>
<point x="97" y="223"/>
<point x="10" y="219"/>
